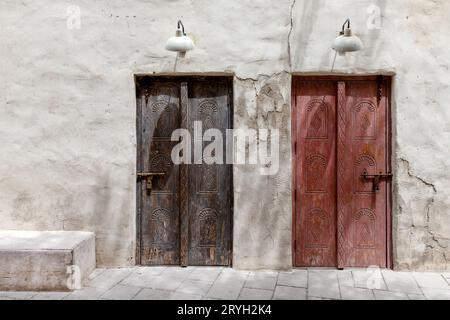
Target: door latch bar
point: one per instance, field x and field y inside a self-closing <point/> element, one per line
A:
<point x="148" y="176"/>
<point x="376" y="178"/>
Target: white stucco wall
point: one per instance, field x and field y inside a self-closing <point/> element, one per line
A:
<point x="67" y="111"/>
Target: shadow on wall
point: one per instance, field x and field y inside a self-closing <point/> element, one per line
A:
<point x="112" y="219"/>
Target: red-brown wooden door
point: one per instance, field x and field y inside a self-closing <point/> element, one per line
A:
<point x="340" y="132"/>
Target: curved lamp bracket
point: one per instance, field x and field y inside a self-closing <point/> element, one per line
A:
<point x="182" y="27"/>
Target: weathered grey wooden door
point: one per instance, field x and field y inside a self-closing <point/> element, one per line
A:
<point x="184" y="211"/>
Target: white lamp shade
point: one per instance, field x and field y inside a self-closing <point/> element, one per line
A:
<point x="179" y="43"/>
<point x="347" y="42"/>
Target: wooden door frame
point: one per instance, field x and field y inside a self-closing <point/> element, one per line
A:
<point x="294" y="85"/>
<point x="138" y="79"/>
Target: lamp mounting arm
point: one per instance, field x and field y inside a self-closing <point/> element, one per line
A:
<point x="343" y="26"/>
<point x="182" y="27"/>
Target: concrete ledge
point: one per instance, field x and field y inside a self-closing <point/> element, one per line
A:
<point x="45" y="260"/>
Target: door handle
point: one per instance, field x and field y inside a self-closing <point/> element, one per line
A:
<point x="149" y="177"/>
<point x="376" y="178"/>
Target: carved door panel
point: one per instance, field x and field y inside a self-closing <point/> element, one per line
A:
<point x="158" y="105"/>
<point x="363" y="147"/>
<point x="185" y="216"/>
<point x="315" y="160"/>
<point x="341" y="131"/>
<point x="209" y="194"/>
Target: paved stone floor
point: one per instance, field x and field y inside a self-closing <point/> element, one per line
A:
<point x="151" y="283"/>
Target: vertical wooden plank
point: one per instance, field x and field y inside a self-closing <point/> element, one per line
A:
<point x="139" y="161"/>
<point x="184" y="181"/>
<point x="315" y="174"/>
<point x="365" y="151"/>
<point x="210" y="184"/>
<point x="159" y="209"/>
<point x="341" y="173"/>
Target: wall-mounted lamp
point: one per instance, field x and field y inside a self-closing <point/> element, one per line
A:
<point x="180" y="42"/>
<point x="346" y="41"/>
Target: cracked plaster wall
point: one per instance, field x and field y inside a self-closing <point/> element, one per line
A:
<point x="67" y="124"/>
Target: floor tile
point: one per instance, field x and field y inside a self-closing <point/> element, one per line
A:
<point x="226" y="289"/>
<point x="194" y="287"/>
<point x="349" y="293"/>
<point x="289" y="293"/>
<point x="51" y="295"/>
<point x="255" y="294"/>
<point x="436" y="294"/>
<point x="345" y="278"/>
<point x="110" y="277"/>
<point x="263" y="280"/>
<point x="370" y="278"/>
<point x="87" y="293"/>
<point x="296" y="278"/>
<point x="323" y="283"/>
<point x="165" y="283"/>
<point x="153" y="294"/>
<point x="412" y="296"/>
<point x="177" y="272"/>
<point x="18" y="295"/>
<point x="120" y="292"/>
<point x="400" y="282"/>
<point x="184" y="296"/>
<point x="430" y="280"/>
<point x="207" y="274"/>
<point x="389" y="295"/>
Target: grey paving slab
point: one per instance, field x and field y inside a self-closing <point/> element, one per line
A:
<point x="289" y="293"/>
<point x="165" y="283"/>
<point x="231" y="274"/>
<point x="19" y="295"/>
<point x="184" y="296"/>
<point x="207" y="274"/>
<point x="412" y="296"/>
<point x="194" y="287"/>
<point x="120" y="292"/>
<point x="436" y="294"/>
<point x="153" y="294"/>
<point x="323" y="283"/>
<point x="400" y="282"/>
<point x="87" y="293"/>
<point x="317" y="298"/>
<point x="295" y="278"/>
<point x="193" y="283"/>
<point x="50" y="295"/>
<point x="255" y="294"/>
<point x="96" y="273"/>
<point x="430" y="280"/>
<point x="177" y="272"/>
<point x="345" y="278"/>
<point x="226" y="289"/>
<point x="371" y="278"/>
<point x="262" y="280"/>
<point x="110" y="277"/>
<point x="349" y="293"/>
<point x="388" y="295"/>
<point x="141" y="278"/>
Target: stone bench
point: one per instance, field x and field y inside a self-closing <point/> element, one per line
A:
<point x="45" y="260"/>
